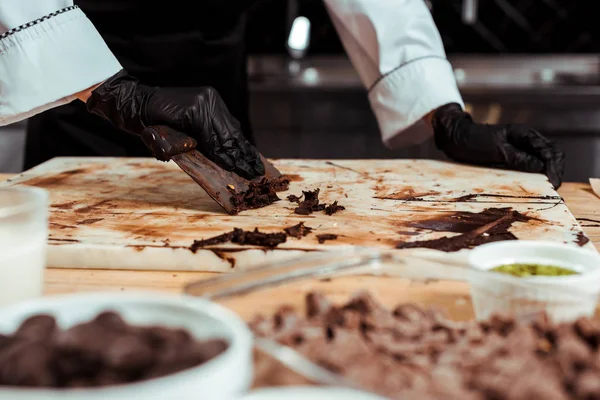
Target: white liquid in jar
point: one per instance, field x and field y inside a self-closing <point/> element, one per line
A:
<point x="22" y="271"/>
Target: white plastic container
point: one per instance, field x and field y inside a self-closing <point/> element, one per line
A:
<point x="564" y="298"/>
<point x="23" y="243"/>
<point x="227" y="376"/>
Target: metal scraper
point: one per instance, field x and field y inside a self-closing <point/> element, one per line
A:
<point x="217" y="182"/>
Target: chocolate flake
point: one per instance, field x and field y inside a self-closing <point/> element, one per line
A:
<point x="311" y="204"/>
<point x="326" y="236"/>
<point x="333" y="208"/>
<point x="298" y="231"/>
<point x="490" y="225"/>
<point x="415" y="352"/>
<point x="292" y="198"/>
<point x="259" y="195"/>
<point x="242" y="237"/>
<point x="582" y="239"/>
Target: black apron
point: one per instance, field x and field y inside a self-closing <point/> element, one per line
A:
<point x="176" y="43"/>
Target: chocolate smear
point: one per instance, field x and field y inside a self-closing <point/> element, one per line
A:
<point x="259" y="195"/>
<point x="242" y="237"/>
<point x="298" y="231"/>
<point x="464" y="221"/>
<point x="582" y="239"/>
<point x="490" y="225"/>
<point x="333" y="208"/>
<point x="326" y="236"/>
<point x="224" y="238"/>
<point x="473" y="196"/>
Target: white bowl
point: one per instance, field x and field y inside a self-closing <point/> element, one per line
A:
<point x="564" y="298"/>
<point x="310" y="393"/>
<point x="227" y="376"/>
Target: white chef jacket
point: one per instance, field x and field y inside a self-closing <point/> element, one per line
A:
<point x="49" y="50"/>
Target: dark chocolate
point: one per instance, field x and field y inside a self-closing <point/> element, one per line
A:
<point x="490" y="225"/>
<point x="101" y="352"/>
<point x="259" y="195"/>
<point x="582" y="239"/>
<point x="292" y="198"/>
<point x="242" y="237"/>
<point x="326" y="236"/>
<point x="298" y="231"/>
<point x="415" y="352"/>
<point x="311" y="204"/>
<point x="333" y="208"/>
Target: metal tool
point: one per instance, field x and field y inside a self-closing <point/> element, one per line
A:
<point x="217" y="182"/>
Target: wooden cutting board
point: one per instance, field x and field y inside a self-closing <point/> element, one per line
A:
<point x="143" y="214"/>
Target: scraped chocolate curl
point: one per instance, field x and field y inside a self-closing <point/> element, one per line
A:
<point x="102" y="352"/>
<point x="326" y="236"/>
<point x="298" y="231"/>
<point x="310" y="203"/>
<point x="242" y="237"/>
<point x="259" y="195"/>
<point x="292" y="198"/>
<point x="333" y="208"/>
<point x="417" y="353"/>
<point x="489" y="225"/>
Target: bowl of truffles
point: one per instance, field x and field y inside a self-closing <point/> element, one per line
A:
<point x="123" y="346"/>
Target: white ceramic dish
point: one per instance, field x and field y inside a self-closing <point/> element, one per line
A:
<point x="565" y="298"/>
<point x="225" y="377"/>
<point x="310" y="393"/>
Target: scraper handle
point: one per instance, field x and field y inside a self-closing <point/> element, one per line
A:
<point x="165" y="143"/>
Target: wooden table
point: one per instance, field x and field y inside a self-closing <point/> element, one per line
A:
<point x="579" y="197"/>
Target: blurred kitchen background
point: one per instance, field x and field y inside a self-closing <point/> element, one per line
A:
<point x="535" y="62"/>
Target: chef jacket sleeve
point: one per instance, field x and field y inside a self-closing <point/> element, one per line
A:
<point x="398" y="53"/>
<point x="49" y="50"/>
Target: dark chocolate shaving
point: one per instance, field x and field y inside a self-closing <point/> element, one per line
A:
<point x="415" y="352"/>
<point x="490" y="225"/>
<point x="310" y="203"/>
<point x="333" y="208"/>
<point x="224" y="238"/>
<point x="259" y="195"/>
<point x="326" y="236"/>
<point x="292" y="198"/>
<point x="242" y="237"/>
<point x="582" y="239"/>
<point x="298" y="231"/>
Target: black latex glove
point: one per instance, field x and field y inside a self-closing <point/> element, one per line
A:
<point x="203" y="115"/>
<point x="514" y="147"/>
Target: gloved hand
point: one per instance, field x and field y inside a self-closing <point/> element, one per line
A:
<point x="132" y="106"/>
<point x="514" y="147"/>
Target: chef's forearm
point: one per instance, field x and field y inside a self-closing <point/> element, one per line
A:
<point x="399" y="55"/>
<point x="49" y="53"/>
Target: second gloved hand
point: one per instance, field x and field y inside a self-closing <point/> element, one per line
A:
<point x="514" y="147"/>
<point x="132" y="106"/>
